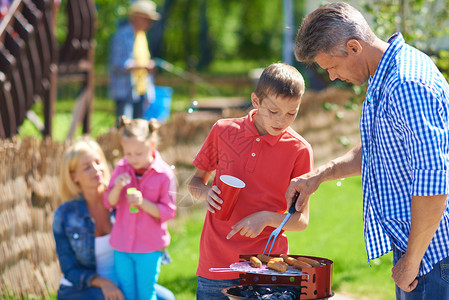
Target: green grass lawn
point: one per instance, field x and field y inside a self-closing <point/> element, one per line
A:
<point x="335" y="232"/>
<point x="102" y="119"/>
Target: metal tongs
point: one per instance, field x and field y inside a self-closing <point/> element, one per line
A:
<point x="276" y="232"/>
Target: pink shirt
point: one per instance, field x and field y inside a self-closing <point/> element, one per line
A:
<point x="266" y="164"/>
<point x="140" y="232"/>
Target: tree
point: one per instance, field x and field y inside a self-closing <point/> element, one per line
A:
<point x="423" y="23"/>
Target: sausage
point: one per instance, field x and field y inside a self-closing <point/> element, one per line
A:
<point x="277" y="266"/>
<point x="255" y="262"/>
<point x="264" y="258"/>
<point x="310" y="261"/>
<point x="289" y="260"/>
<point x="279" y="259"/>
<point x="301" y="265"/>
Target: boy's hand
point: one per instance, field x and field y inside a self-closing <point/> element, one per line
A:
<point x="135" y="198"/>
<point x="122" y="180"/>
<point x="250" y="226"/>
<point x="213" y="200"/>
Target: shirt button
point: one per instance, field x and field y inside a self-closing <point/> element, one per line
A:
<point x="75" y="236"/>
<point x="253" y="154"/>
<point x="258" y="139"/>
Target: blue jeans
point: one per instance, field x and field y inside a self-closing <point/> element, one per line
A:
<point x="209" y="289"/>
<point x="138" y="273"/>
<point x="72" y="293"/>
<point x="431" y="286"/>
<point x="94" y="293"/>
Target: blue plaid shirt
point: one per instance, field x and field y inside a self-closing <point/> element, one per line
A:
<point x="405" y="138"/>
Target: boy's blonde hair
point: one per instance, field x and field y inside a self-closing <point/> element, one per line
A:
<point x="141" y="129"/>
<point x="72" y="157"/>
<point x="280" y="79"/>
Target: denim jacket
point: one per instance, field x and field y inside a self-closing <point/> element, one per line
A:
<point x="74" y="233"/>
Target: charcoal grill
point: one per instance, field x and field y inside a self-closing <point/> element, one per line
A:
<point x="315" y="283"/>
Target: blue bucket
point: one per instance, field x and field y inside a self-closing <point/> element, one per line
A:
<point x="160" y="108"/>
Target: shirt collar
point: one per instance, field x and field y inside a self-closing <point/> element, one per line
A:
<point x="252" y="130"/>
<point x="83" y="212"/>
<point x="396" y="42"/>
<point x="158" y="163"/>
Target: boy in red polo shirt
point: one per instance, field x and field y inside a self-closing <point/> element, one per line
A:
<point x="263" y="151"/>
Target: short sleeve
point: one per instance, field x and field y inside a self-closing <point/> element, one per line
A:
<point x="207" y="158"/>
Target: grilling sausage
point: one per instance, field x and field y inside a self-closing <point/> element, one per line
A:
<point x="294" y="262"/>
<point x="289" y="260"/>
<point x="264" y="258"/>
<point x="309" y="261"/>
<point x="277" y="266"/>
<point x="255" y="262"/>
<point x="301" y="265"/>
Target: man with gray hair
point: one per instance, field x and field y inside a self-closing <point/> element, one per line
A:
<point x="403" y="155"/>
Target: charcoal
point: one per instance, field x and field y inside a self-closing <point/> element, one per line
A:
<point x="267" y="292"/>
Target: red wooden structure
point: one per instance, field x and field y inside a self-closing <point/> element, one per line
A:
<point x="31" y="61"/>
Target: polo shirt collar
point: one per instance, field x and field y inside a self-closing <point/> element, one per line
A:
<point x="396" y="42"/>
<point x="251" y="130"/>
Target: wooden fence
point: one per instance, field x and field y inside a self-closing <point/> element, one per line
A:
<point x="31" y="61"/>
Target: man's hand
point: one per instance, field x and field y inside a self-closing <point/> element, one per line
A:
<point x="404" y="274"/>
<point x="341" y="167"/>
<point x="426" y="214"/>
<point x="304" y="185"/>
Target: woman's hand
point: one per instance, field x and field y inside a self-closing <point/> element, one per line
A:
<point x="250" y="226"/>
<point x="213" y="200"/>
<point x="108" y="288"/>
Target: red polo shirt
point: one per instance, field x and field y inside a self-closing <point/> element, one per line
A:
<point x="266" y="164"/>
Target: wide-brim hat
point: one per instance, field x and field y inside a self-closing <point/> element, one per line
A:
<point x="145" y="8"/>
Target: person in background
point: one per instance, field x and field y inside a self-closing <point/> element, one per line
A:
<point x="265" y="152"/>
<point x="131" y="70"/>
<point x="143" y="191"/>
<point x="82" y="226"/>
<point x="403" y="156"/>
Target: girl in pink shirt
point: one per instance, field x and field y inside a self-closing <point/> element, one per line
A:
<point x="142" y="189"/>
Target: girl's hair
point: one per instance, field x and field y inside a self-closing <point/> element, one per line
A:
<point x="141" y="129"/>
<point x="280" y="79"/>
<point x="72" y="157"/>
<point x="328" y="29"/>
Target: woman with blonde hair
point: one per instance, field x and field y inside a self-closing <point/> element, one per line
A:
<point x="82" y="225"/>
